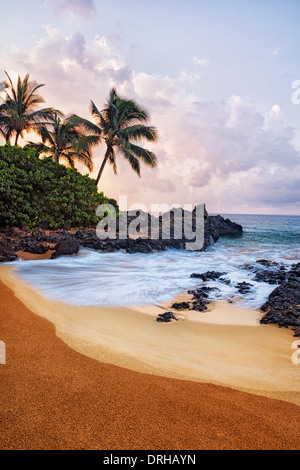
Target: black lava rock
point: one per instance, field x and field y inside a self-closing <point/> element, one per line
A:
<point x="283" y="304"/>
<point x="166" y="317"/>
<point x="244" y="287"/>
<point x="6" y="251"/>
<point x="67" y="246"/>
<point x="208" y="276"/>
<point x="181" y="305"/>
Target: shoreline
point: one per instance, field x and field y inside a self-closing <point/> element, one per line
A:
<point x="223" y="346"/>
<point x="57" y="398"/>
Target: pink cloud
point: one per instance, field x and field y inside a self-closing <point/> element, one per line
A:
<point x="228" y="154"/>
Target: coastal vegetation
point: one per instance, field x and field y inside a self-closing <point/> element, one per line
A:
<point x="19" y="112"/>
<point x="35" y="191"/>
<point x="35" y="187"/>
<point x="62" y="140"/>
<point x="121" y="124"/>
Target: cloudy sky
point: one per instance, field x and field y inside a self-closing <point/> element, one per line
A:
<point x="216" y="78"/>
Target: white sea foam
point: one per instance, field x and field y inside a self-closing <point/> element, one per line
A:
<point x="119" y="278"/>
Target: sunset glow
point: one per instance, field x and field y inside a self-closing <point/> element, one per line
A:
<point x="218" y="88"/>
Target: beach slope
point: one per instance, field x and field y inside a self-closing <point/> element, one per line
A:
<point x="54" y="397"/>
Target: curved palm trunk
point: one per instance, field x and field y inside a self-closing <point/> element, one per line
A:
<point x="56" y="156"/>
<point x="17" y="137"/>
<point x="107" y="153"/>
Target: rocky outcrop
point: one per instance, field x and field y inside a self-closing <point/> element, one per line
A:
<point x="181" y="305"/>
<point x="223" y="227"/>
<point x="199" y="299"/>
<point x="67" y="242"/>
<point x="66" y="246"/>
<point x="208" y="276"/>
<point x="214" y="228"/>
<point x="244" y="287"/>
<point x="283" y="304"/>
<point x="166" y="317"/>
<point x="267" y="271"/>
<point x="6" y="252"/>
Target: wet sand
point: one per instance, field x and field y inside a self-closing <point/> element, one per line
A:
<point x="90" y="378"/>
<point x="30" y="256"/>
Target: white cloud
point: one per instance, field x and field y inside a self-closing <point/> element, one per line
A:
<point x="74" y="70"/>
<point x="276" y="50"/>
<point x="228" y="154"/>
<point x="201" y="62"/>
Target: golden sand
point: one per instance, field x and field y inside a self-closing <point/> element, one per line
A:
<point x="225" y="345"/>
<point x="30" y="256"/>
<point x="53" y="397"/>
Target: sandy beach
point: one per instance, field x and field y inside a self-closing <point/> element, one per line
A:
<point x="149" y="228"/>
<point x="114" y="378"/>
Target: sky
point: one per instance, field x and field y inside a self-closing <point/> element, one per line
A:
<point x="215" y="77"/>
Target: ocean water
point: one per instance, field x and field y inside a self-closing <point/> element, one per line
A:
<point x="92" y="278"/>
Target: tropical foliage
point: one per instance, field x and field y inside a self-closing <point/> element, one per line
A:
<point x="121" y="125"/>
<point x="19" y="112"/>
<point x="35" y="191"/>
<point x="61" y="140"/>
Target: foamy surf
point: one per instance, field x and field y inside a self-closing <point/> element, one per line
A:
<point x="119" y="278"/>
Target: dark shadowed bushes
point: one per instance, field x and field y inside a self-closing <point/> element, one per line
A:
<point x="37" y="191"/>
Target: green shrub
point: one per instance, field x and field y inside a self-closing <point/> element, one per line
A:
<point x="40" y="191"/>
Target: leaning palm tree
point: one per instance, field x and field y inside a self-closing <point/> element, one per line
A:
<point x="19" y="112"/>
<point x="61" y="140"/>
<point x="121" y="125"/>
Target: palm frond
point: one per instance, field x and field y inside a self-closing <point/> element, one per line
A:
<point x="139" y="132"/>
<point x="4" y="134"/>
<point x="149" y="158"/>
<point x="41" y="115"/>
<point x="21" y="106"/>
<point x="85" y="124"/>
<point x="63" y="140"/>
<point x="131" y="113"/>
<point x="10" y="85"/>
<point x="40" y="147"/>
<point x="134" y="162"/>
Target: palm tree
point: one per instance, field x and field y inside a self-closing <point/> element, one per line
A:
<point x="121" y="124"/>
<point x="60" y="139"/>
<point x="4" y="134"/>
<point x="19" y="112"/>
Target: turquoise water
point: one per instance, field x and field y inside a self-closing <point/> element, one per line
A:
<point x="276" y="237"/>
<point x="119" y="278"/>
